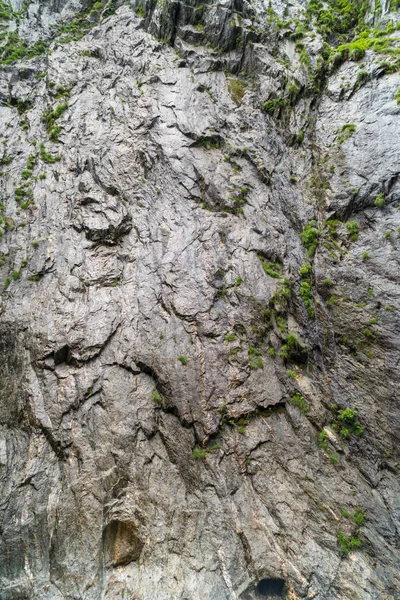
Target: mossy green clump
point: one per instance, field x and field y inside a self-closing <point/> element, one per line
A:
<point x="347" y="423"/>
<point x="352" y="228"/>
<point x="255" y="360"/>
<point x="15" y="48"/>
<point x="230" y="337"/>
<point x="346" y="131"/>
<point x="305" y="289"/>
<point x="156" y="397"/>
<point x="380" y="200"/>
<point x="307" y="297"/>
<point x="182" y="359"/>
<point x="272" y="107"/>
<point x="298" y="400"/>
<point x="272" y="269"/>
<point x="359" y="517"/>
<point x="50" y="116"/>
<point x="293" y="350"/>
<point x="348" y="543"/>
<point x="310" y="237"/>
<point x="199" y="453"/>
<point x="236" y="88"/>
<point x="46" y="157"/>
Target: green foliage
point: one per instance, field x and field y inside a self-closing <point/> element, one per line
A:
<point x="348" y="544"/>
<point x="293" y="350"/>
<point x="46" y="157"/>
<point x="348" y="417"/>
<point x="271" y="352"/>
<point x="139" y="10"/>
<point x="230" y="337"/>
<point x="5" y="161"/>
<point x="156" y="397"/>
<point x="323" y="438"/>
<point x="236" y="89"/>
<point x="307" y="297"/>
<point x="182" y="359"/>
<point x="50" y="116"/>
<point x="347" y="130"/>
<point x="16" y="274"/>
<point x="15" y="49"/>
<point x="199" y="453"/>
<point x="305" y="270"/>
<point x="352" y="228"/>
<point x="299" y="401"/>
<point x="365" y="255"/>
<point x="359" y="517"/>
<point x="379" y="201"/>
<point x="397" y="96"/>
<point x="272" y="269"/>
<point x="208" y="143"/>
<point x="273" y="106"/>
<point x="255" y="360"/>
<point x="310" y="236"/>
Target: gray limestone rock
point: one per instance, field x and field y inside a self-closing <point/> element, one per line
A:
<point x="185" y="412"/>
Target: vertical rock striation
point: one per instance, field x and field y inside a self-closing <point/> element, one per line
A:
<point x="199" y="336"/>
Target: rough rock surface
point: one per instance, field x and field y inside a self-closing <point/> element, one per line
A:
<point x="164" y="387"/>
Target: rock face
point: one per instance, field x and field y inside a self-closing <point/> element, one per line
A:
<point x="199" y="346"/>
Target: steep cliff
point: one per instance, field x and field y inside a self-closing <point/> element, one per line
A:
<point x="200" y="341"/>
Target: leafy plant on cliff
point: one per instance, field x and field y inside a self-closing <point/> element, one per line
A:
<point x="310" y="236"/>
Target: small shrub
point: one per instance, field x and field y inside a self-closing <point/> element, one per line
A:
<point x="47" y="158"/>
<point x="230" y="337"/>
<point x="156" y="397"/>
<point x="323" y="438"/>
<point x="255" y="360"/>
<point x="236" y="89"/>
<point x="310" y="236"/>
<point x="299" y="401"/>
<point x="348" y="416"/>
<point x="307" y="297"/>
<point x="272" y="269"/>
<point x="199" y="453"/>
<point x="347" y="544"/>
<point x="359" y="517"/>
<point x="182" y="359"/>
<point x="305" y="270"/>
<point x="379" y="201"/>
<point x="347" y="130"/>
<point x="352" y="228"/>
<point x="16" y="274"/>
<point x="271" y="352"/>
<point x="272" y="106"/>
<point x="365" y="255"/>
